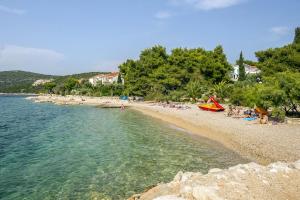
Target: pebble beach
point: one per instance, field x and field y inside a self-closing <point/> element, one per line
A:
<point x="274" y="150"/>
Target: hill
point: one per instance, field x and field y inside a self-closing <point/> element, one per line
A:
<point x="21" y="81"/>
<point x="61" y="79"/>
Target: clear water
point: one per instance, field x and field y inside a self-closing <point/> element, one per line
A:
<point x="82" y="152"/>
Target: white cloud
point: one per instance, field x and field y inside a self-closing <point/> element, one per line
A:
<point x="14" y="11"/>
<point x="207" y="4"/>
<point x="163" y="15"/>
<point x="14" y="57"/>
<point x="280" y="30"/>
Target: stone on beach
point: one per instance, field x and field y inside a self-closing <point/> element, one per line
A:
<point x="249" y="181"/>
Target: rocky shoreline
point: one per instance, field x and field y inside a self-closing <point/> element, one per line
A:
<point x="249" y="181"/>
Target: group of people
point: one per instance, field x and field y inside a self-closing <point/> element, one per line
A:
<point x="249" y="115"/>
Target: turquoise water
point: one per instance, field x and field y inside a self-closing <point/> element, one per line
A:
<point x="82" y="152"/>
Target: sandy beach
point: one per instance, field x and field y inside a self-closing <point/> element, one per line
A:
<point x="261" y="143"/>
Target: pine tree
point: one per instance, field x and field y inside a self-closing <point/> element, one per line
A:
<point x="297" y="36"/>
<point x="119" y="79"/>
<point x="242" y="73"/>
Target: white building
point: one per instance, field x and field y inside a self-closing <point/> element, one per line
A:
<point x="105" y="79"/>
<point x="41" y="82"/>
<point x="248" y="70"/>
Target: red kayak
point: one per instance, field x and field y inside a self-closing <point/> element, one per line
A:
<point x="214" y="107"/>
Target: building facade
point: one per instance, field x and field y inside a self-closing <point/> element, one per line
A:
<point x="105" y="79"/>
<point x="248" y="70"/>
<point x="41" y="82"/>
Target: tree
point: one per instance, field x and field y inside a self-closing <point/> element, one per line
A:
<point x="242" y="73"/>
<point x="119" y="81"/>
<point x="70" y="84"/>
<point x="156" y="73"/>
<point x="286" y="58"/>
<point x="196" y="88"/>
<point x="297" y="36"/>
<point x="49" y="87"/>
<point x="220" y="89"/>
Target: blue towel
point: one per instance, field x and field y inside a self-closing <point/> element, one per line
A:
<point x="250" y="118"/>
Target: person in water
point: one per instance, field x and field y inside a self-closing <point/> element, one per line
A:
<point x="122" y="107"/>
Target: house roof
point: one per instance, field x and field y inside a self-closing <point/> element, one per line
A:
<point x="109" y="76"/>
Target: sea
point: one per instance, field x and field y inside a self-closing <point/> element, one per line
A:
<point x="83" y="152"/>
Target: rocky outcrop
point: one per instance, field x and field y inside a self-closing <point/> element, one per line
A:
<point x="248" y="181"/>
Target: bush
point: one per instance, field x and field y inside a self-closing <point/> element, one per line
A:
<point x="278" y="114"/>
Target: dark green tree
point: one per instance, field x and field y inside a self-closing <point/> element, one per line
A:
<point x="70" y="84"/>
<point x="49" y="87"/>
<point x="119" y="81"/>
<point x="297" y="36"/>
<point x="242" y="73"/>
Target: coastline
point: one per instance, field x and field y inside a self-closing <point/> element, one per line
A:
<point x="18" y="94"/>
<point x="248" y="181"/>
<point x="261" y="143"/>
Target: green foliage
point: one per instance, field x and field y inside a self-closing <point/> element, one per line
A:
<point x="242" y="73"/>
<point x="119" y="79"/>
<point x="176" y="95"/>
<point x="191" y="73"/>
<point x="281" y="59"/>
<point x="20" y="81"/>
<point x="240" y="93"/>
<point x="221" y="90"/>
<point x="70" y="84"/>
<point x="297" y="36"/>
<point x="156" y="72"/>
<point x="49" y="87"/>
<point x="280" y="92"/>
<point x="250" y="62"/>
<point x="278" y="114"/>
<point x="196" y="88"/>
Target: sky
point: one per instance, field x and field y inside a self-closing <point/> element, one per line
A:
<point x="73" y="36"/>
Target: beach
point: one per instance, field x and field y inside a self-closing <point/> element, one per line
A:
<point x="261" y="143"/>
<point x="276" y="149"/>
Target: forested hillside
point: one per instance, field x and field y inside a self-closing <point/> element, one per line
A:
<point x="19" y="81"/>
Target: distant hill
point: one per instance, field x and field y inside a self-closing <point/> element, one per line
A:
<point x="86" y="75"/>
<point x="21" y="81"/>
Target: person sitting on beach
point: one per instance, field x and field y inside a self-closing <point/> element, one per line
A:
<point x="230" y="111"/>
<point x="237" y="113"/>
<point x="263" y="119"/>
<point x="247" y="114"/>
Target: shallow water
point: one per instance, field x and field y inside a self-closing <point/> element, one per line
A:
<point x="82" y="152"/>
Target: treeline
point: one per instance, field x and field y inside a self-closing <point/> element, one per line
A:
<point x="197" y="74"/>
<point x="78" y="84"/>
<point x="184" y="73"/>
<point x="20" y="81"/>
<point x="73" y="86"/>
